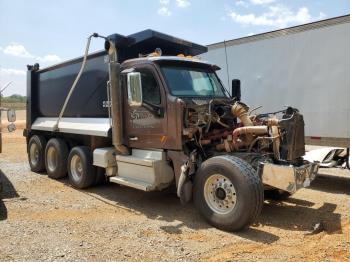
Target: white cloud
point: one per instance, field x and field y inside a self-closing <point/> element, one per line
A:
<point x="322" y="15"/>
<point x="49" y="58"/>
<point x="11" y="71"/>
<point x="277" y="16"/>
<point x="183" y="3"/>
<point x="164" y="11"/>
<point x="19" y="50"/>
<point x="246" y="3"/>
<point x="242" y="3"/>
<point x="261" y="2"/>
<point x="164" y="2"/>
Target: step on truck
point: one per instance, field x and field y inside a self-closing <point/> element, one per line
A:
<point x="147" y="113"/>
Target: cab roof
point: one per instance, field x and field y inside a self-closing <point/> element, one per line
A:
<point x="174" y="59"/>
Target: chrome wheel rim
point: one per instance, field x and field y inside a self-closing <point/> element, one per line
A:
<point x="220" y="194"/>
<point x="76" y="167"/>
<point x="34" y="154"/>
<point x="51" y="159"/>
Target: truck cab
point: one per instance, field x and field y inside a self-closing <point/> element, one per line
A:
<point x="147" y="114"/>
<point x="167" y="84"/>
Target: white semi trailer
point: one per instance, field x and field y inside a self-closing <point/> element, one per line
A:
<point x="307" y="66"/>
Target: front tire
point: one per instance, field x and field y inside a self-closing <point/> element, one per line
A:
<point x="56" y="154"/>
<point x="36" y="153"/>
<point x="228" y="193"/>
<point x="81" y="172"/>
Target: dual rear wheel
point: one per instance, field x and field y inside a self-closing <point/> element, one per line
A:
<point x="56" y="154"/>
<point x="55" y="157"/>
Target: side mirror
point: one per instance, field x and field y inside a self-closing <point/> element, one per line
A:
<point x="11" y="127"/>
<point x="236" y="89"/>
<point x="11" y="115"/>
<point x="134" y="89"/>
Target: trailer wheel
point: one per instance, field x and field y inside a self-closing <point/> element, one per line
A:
<point x="276" y="194"/>
<point x="81" y="172"/>
<point x="56" y="154"/>
<point x="228" y="192"/>
<point x="36" y="153"/>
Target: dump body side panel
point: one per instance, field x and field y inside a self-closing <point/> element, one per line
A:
<point x="87" y="99"/>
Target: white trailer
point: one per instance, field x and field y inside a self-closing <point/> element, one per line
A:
<point x="306" y="66"/>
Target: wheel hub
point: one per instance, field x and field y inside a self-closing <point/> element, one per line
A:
<point x="52" y="159"/>
<point x="220" y="194"/>
<point x="76" y="167"/>
<point x="34" y="154"/>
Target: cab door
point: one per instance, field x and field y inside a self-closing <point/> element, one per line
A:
<point x="146" y="125"/>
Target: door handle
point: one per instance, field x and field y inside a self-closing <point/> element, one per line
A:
<point x="133" y="138"/>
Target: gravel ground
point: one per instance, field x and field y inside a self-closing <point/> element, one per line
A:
<point x="45" y="219"/>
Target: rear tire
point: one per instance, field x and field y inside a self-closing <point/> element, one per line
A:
<point x="56" y="154"/>
<point x="228" y="193"/>
<point x="81" y="172"/>
<point x="36" y="153"/>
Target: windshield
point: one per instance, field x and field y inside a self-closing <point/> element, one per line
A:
<point x="193" y="82"/>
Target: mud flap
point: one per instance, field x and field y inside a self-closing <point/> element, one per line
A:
<point x="186" y="192"/>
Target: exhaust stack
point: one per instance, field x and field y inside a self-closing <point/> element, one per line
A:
<point x="116" y="98"/>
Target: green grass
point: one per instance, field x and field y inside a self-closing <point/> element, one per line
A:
<point x="17" y="102"/>
<point x="14" y="105"/>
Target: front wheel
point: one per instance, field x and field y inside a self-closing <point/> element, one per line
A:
<point x="228" y="192"/>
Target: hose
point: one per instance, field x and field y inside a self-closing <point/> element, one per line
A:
<point x="240" y="110"/>
<point x="347" y="158"/>
<point x="55" y="128"/>
<point x="260" y="138"/>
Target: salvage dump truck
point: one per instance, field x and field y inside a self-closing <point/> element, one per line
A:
<point x="147" y="113"/>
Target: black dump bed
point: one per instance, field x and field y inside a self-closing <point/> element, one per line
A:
<point x="47" y="88"/>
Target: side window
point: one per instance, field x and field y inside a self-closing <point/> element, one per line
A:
<point x="150" y="88"/>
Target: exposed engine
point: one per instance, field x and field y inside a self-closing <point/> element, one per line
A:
<point x="229" y="127"/>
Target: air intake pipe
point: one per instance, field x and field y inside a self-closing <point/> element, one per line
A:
<point x="240" y="110"/>
<point x="250" y="130"/>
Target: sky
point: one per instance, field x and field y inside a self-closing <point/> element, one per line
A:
<point x="49" y="32"/>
